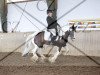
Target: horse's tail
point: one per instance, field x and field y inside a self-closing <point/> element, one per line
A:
<point x="28" y="43"/>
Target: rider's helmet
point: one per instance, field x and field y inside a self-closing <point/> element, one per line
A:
<point x="49" y="11"/>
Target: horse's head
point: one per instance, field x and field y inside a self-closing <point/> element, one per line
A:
<point x="73" y="28"/>
<point x="70" y="32"/>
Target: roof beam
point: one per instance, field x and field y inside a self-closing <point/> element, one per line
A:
<point x="24" y="1"/>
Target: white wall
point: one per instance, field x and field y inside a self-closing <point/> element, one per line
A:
<point x="25" y="25"/>
<point x="88" y="10"/>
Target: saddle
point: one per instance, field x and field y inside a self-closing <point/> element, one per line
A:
<point x="49" y="36"/>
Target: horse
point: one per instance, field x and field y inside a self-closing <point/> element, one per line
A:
<point x="37" y="41"/>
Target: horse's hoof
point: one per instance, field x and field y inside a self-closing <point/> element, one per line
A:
<point x="34" y="59"/>
<point x="42" y="59"/>
<point x="64" y="52"/>
<point x="24" y="55"/>
<point x="51" y="60"/>
<point x="50" y="55"/>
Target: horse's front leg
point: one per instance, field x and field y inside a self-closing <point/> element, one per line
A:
<point x="52" y="59"/>
<point x="65" y="50"/>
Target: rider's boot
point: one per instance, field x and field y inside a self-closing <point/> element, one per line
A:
<point x="54" y="38"/>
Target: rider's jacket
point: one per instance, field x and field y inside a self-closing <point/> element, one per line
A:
<point x="52" y="23"/>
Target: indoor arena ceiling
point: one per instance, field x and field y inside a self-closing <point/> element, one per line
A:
<point x="9" y="1"/>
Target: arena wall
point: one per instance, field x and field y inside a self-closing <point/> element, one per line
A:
<point x="85" y="43"/>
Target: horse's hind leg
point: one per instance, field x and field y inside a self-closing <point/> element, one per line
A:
<point x="34" y="58"/>
<point x="40" y="53"/>
<point x="28" y="47"/>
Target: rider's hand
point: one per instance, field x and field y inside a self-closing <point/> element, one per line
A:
<point x="59" y="26"/>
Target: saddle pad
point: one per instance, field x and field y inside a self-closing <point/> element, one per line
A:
<point x="47" y="35"/>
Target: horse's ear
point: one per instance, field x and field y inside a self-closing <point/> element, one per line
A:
<point x="74" y="28"/>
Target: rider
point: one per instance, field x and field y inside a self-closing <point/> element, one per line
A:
<point x="52" y="25"/>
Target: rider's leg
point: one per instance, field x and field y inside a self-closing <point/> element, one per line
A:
<point x="52" y="31"/>
<point x="53" y="34"/>
<point x="55" y="37"/>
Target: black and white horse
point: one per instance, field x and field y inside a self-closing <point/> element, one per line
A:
<point x="36" y="41"/>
